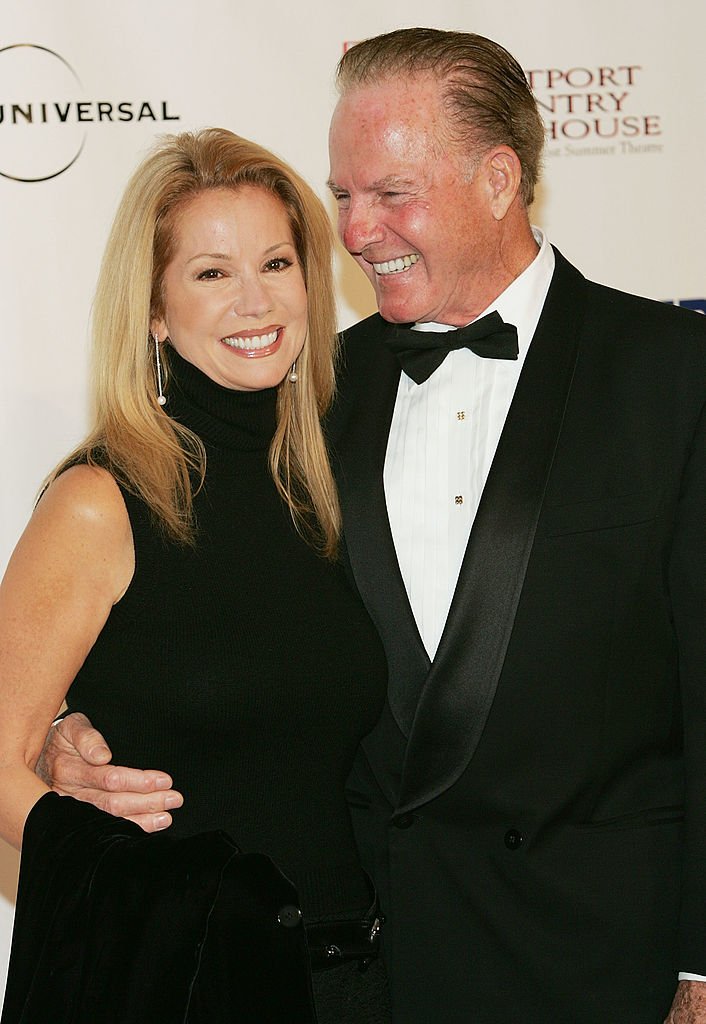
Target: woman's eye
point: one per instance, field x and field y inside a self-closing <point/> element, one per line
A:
<point x="279" y="263"/>
<point x="212" y="274"/>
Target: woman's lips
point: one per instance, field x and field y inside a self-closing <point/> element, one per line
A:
<point x="255" y="344"/>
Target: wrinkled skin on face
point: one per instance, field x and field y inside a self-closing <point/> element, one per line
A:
<point x="439" y="232"/>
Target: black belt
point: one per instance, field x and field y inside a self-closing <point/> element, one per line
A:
<point x="332" y="943"/>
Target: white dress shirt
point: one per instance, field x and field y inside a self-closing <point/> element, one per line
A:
<point x="443" y="437"/>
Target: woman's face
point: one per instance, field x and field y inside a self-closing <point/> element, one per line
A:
<point x="234" y="296"/>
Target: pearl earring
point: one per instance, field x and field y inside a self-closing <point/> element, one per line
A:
<point x="293" y="375"/>
<point x="161" y="397"/>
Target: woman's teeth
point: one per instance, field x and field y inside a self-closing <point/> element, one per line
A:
<point x="256" y="342"/>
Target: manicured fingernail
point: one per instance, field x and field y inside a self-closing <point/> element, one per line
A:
<point x="172" y="801"/>
<point x="163" y="782"/>
<point x="161" y="821"/>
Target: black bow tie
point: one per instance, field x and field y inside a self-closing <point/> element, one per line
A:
<point x="422" y="352"/>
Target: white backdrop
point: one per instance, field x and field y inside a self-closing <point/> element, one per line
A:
<point x="620" y="82"/>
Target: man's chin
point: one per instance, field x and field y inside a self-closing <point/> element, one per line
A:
<point x="396" y="312"/>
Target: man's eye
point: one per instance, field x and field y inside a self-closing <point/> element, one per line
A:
<point x="212" y="274"/>
<point x="279" y="263"/>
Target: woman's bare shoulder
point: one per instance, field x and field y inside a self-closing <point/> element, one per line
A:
<point x="81" y="518"/>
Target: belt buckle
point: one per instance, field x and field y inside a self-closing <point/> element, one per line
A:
<point x="342" y="942"/>
<point x="374" y="930"/>
<point x="374" y="940"/>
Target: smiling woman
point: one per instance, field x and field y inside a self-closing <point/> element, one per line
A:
<point x="175" y="564"/>
<point x="234" y="295"/>
<point x="199" y="198"/>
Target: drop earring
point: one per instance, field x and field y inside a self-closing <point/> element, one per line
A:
<point x="161" y="397"/>
<point x="293" y="375"/>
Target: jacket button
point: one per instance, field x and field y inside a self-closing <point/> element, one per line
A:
<point x="289" y="916"/>
<point x="513" y="839"/>
<point x="404" y="820"/>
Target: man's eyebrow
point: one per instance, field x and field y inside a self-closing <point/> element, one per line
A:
<point x="390" y="183"/>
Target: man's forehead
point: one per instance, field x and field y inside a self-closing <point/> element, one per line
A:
<point x="393" y="92"/>
<point x="390" y="124"/>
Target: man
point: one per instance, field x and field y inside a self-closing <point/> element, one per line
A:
<point x="526" y="522"/>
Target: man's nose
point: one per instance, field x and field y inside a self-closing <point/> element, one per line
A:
<point x="359" y="227"/>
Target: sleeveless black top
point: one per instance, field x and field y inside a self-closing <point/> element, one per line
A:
<point x="245" y="666"/>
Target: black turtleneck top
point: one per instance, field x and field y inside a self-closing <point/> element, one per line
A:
<point x="244" y="666"/>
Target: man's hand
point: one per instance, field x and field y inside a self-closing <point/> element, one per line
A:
<point x="689" y="1006"/>
<point x="75" y="762"/>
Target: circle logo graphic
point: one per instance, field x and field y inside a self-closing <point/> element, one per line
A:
<point x="39" y="140"/>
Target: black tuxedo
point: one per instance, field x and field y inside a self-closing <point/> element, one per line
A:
<point x="531" y="804"/>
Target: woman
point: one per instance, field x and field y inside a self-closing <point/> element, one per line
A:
<point x="177" y="581"/>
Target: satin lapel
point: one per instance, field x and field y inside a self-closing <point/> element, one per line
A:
<point x="459" y="691"/>
<point x="370" y="387"/>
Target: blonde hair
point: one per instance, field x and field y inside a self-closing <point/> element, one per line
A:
<point x="487" y="99"/>
<point x="150" y="454"/>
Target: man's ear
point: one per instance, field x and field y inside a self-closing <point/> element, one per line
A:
<point x="504" y="178"/>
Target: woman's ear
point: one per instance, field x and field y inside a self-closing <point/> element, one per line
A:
<point x="158" y="328"/>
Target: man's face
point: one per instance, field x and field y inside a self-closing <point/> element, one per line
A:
<point x="409" y="211"/>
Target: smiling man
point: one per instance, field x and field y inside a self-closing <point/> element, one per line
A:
<point x="437" y="239"/>
<point x="528" y="532"/>
<point x="524" y="505"/>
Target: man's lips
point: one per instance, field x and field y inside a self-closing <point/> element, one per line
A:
<point x="254" y="345"/>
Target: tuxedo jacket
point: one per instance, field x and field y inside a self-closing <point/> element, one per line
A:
<point x="531" y="804"/>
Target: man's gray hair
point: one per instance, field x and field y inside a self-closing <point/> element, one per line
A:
<point x="486" y="97"/>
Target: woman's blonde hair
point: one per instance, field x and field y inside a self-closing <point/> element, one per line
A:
<point x="150" y="454"/>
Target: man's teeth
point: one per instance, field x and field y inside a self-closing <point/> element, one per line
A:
<point x="257" y="341"/>
<point x="396" y="266"/>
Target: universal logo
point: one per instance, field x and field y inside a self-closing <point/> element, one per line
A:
<point x="45" y="117"/>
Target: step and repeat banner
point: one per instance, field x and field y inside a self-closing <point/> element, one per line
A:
<point x="85" y="87"/>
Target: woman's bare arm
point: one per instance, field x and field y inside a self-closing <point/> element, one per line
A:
<point x="72" y="563"/>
